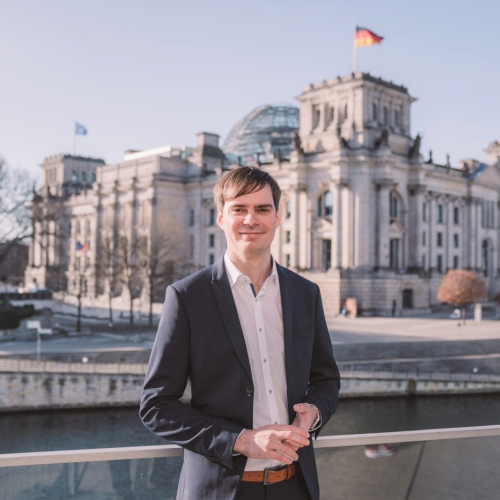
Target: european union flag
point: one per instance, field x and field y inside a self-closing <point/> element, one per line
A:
<point x="80" y="129"/>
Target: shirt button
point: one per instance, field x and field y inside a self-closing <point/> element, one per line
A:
<point x="270" y="391"/>
<point x="265" y="360"/>
<point x="249" y="392"/>
<point x="260" y="329"/>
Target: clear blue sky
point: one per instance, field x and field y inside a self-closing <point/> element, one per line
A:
<point x="143" y="74"/>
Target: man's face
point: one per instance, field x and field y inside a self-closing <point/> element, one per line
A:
<point x="249" y="222"/>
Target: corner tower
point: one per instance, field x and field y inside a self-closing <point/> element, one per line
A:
<point x="355" y="110"/>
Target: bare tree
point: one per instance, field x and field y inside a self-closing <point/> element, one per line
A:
<point x="16" y="192"/>
<point x="460" y="288"/>
<point x="162" y="263"/>
<point x="108" y="271"/>
<point x="132" y="255"/>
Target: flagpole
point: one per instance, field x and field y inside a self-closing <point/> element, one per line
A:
<point x="355" y="53"/>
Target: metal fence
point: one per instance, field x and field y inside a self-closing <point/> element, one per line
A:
<point x="162" y="451"/>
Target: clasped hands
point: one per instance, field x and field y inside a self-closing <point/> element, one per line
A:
<point x="279" y="442"/>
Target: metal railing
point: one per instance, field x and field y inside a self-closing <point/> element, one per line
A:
<point x="350" y="371"/>
<point x="46" y="366"/>
<point x="170" y="450"/>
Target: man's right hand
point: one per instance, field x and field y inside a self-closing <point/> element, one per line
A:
<point x="267" y="442"/>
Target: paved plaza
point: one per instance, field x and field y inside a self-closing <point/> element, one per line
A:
<point x="436" y="326"/>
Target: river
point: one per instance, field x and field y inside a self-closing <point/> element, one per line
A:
<point x="119" y="427"/>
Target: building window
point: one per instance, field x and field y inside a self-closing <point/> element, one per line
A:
<point x="374" y="112"/>
<point x="211" y="240"/>
<point x="407" y="299"/>
<point x="288" y="236"/>
<point x="424" y="211"/>
<point x="486" y="258"/>
<point x="325" y="204"/>
<point x="191" y="218"/>
<point x="488" y="214"/>
<point x="287" y="260"/>
<point x="316" y="116"/>
<point x="423" y="238"/>
<point x="210" y="259"/>
<point x="327" y="255"/>
<point x="455" y="262"/>
<point x="440" y="239"/>
<point x="84" y="176"/>
<point x="331" y="114"/>
<point x="288" y="209"/>
<point x="191" y="247"/>
<point x="211" y="217"/>
<point x="394" y="254"/>
<point x="456" y="215"/>
<point x="440" y="213"/>
<point x="440" y="264"/>
<point x="455" y="241"/>
<point x="396" y="118"/>
<point x="393" y="206"/>
<point x="346" y="109"/>
<point x="74" y="175"/>
<point x="386" y="116"/>
<point x="93" y="177"/>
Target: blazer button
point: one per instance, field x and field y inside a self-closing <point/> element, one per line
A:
<point x="249" y="392"/>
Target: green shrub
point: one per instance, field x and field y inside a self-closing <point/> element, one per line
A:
<point x="11" y="316"/>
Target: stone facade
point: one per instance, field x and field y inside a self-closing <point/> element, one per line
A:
<point x="363" y="214"/>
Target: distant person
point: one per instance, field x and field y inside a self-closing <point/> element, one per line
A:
<point x="251" y="337"/>
<point x="379" y="451"/>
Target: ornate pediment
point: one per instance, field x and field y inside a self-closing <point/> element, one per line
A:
<point x="396" y="229"/>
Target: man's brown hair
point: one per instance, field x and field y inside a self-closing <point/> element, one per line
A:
<point x="244" y="180"/>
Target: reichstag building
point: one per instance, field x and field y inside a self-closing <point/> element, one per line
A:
<point x="364" y="213"/>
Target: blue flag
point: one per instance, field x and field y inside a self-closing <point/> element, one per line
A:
<point x="80" y="129"/>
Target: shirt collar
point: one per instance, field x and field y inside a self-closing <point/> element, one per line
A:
<point x="234" y="273"/>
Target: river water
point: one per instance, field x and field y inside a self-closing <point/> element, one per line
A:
<point x="120" y="427"/>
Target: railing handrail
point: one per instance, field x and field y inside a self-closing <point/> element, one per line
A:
<point x="172" y="450"/>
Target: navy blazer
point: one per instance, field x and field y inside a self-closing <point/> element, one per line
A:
<point x="200" y="339"/>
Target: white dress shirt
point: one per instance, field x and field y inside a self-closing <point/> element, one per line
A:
<point x="261" y="319"/>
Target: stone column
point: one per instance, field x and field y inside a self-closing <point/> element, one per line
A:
<point x="295" y="200"/>
<point x="472" y="233"/>
<point x="449" y="236"/>
<point x="432" y="234"/>
<point x="415" y="226"/>
<point x="304" y="237"/>
<point x="383" y="221"/>
<point x="340" y="222"/>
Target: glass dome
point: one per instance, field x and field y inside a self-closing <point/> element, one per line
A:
<point x="262" y="132"/>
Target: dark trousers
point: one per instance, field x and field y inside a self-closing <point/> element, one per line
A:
<point x="291" y="489"/>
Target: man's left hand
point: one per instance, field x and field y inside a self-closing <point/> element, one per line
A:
<point x="306" y="415"/>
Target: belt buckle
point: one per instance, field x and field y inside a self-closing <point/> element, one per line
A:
<point x="271" y="469"/>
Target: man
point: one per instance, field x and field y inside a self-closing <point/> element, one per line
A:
<point x="251" y="338"/>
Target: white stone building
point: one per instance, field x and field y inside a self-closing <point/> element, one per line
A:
<point x="363" y="214"/>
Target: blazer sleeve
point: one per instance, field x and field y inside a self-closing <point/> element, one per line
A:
<point x="324" y="379"/>
<point x="161" y="410"/>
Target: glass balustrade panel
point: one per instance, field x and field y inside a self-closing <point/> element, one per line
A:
<point x="144" y="479"/>
<point x="456" y="469"/>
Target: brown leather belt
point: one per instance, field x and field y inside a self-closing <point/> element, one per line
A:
<point x="270" y="476"/>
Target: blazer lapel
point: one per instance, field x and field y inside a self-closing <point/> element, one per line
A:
<point x="229" y="314"/>
<point x="287" y="310"/>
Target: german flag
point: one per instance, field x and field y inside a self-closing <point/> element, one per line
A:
<point x="364" y="37"/>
